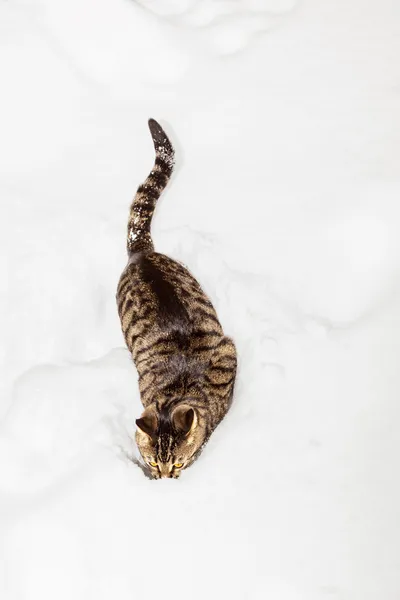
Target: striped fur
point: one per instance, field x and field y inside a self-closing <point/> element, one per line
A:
<point x="186" y="365"/>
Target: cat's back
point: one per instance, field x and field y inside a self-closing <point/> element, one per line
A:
<point x="160" y="302"/>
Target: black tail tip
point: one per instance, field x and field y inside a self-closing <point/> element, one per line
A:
<point x="159" y="136"/>
<point x="154" y="127"/>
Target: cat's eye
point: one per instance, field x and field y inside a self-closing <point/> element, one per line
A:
<point x="178" y="465"/>
<point x="153" y="464"/>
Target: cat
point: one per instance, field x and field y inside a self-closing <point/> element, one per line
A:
<point x="186" y="365"/>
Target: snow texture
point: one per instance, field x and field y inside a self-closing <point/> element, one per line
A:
<point x="285" y="117"/>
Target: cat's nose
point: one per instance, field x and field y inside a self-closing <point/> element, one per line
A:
<point x="165" y="471"/>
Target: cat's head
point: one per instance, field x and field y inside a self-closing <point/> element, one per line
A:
<point x="170" y="439"/>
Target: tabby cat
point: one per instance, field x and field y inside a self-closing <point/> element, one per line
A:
<point x="186" y="365"/>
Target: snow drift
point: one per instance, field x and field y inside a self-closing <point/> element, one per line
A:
<point x="285" y="206"/>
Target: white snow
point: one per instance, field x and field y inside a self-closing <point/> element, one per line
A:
<point x="285" y="205"/>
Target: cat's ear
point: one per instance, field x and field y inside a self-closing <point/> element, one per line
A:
<point x="184" y="419"/>
<point x="148" y="423"/>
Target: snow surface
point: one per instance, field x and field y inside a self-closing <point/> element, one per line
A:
<point x="285" y="205"/>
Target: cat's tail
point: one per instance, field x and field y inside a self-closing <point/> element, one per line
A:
<point x="144" y="202"/>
